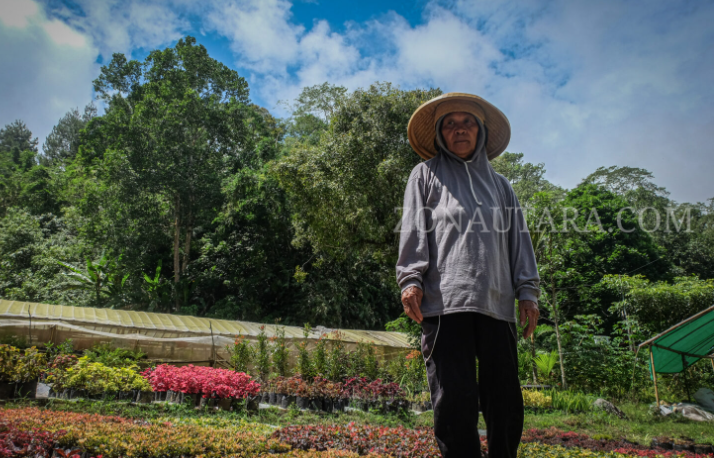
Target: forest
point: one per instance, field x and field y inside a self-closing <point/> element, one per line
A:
<point x="184" y="197"/>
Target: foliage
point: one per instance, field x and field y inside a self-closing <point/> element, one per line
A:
<point x="396" y="442"/>
<point x="241" y="354"/>
<point x="545" y="363"/>
<point x="304" y="361"/>
<point x="62" y="144"/>
<point x="57" y="374"/>
<point x="114" y="357"/>
<point x="320" y="356"/>
<point x="101" y="277"/>
<point x="53" y="350"/>
<point x="114" y="437"/>
<point x="337" y="359"/>
<point x="29" y="365"/>
<point x="95" y="378"/>
<point x="569" y="401"/>
<point x="536" y="399"/>
<point x="208" y="381"/>
<point x="36" y="443"/>
<point x="9" y="357"/>
<point x="660" y="305"/>
<point x="280" y="353"/>
<point x="262" y="355"/>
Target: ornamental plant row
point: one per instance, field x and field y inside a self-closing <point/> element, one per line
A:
<point x="207" y="381"/>
<point x="356" y="388"/>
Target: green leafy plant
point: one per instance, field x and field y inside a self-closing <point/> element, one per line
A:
<point x="96" y="378"/>
<point x="545" y="363"/>
<point x="280" y="352"/>
<point x="319" y="356"/>
<point x="241" y="354"/>
<point x="101" y="277"/>
<point x="114" y="357"/>
<point x="337" y="361"/>
<point x="262" y="355"/>
<point x="30" y="365"/>
<point x="304" y="359"/>
<point x="9" y="356"/>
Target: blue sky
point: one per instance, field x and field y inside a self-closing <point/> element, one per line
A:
<point x="584" y="84"/>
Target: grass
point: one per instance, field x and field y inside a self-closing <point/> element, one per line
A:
<point x="640" y="427"/>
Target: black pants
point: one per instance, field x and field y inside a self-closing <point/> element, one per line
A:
<point x="456" y="392"/>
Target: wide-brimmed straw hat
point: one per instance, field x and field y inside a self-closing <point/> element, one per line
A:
<point x="422" y="125"/>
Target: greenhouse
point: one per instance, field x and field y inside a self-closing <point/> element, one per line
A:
<point x="170" y="338"/>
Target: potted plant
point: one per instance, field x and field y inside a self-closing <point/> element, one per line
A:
<point x="8" y="363"/>
<point x="28" y="368"/>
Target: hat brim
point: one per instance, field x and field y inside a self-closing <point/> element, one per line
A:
<point x="422" y="133"/>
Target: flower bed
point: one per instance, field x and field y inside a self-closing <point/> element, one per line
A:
<point x="16" y="442"/>
<point x="362" y="439"/>
<point x="207" y="381"/>
<point x="553" y="436"/>
<point x="118" y="437"/>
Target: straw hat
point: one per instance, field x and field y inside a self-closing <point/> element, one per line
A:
<point x="422" y="125"/>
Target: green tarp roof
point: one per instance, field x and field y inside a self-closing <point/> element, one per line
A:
<point x="689" y="341"/>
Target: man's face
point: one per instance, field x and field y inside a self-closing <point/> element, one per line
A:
<point x="460" y="131"/>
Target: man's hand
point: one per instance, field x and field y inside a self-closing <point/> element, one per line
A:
<point x="411" y="300"/>
<point x="527" y="309"/>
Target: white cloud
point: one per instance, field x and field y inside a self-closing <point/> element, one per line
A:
<point x="15" y="13"/>
<point x="585" y="84"/>
<point x="123" y="26"/>
<point x="47" y="68"/>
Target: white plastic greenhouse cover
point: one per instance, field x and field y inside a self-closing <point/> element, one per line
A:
<point x="175" y="338"/>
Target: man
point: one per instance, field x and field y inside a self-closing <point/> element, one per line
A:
<point x="465" y="256"/>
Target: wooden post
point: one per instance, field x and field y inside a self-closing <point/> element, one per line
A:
<point x="30" y="329"/>
<point x="213" y="346"/>
<point x="712" y="361"/>
<point x="654" y="375"/>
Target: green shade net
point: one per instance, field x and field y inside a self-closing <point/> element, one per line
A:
<point x="693" y="338"/>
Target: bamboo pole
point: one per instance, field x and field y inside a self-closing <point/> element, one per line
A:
<point x="654" y="375"/>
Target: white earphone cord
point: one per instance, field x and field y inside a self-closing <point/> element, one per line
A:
<point x="435" y="337"/>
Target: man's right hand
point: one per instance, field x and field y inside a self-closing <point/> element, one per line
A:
<point x="411" y="300"/>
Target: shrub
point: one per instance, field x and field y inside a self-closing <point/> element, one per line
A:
<point x="36" y="443"/>
<point x="8" y="362"/>
<point x="57" y="371"/>
<point x="30" y="365"/>
<point x="363" y="439"/>
<point x="114" y="357"/>
<point x="280" y="353"/>
<point x="211" y="382"/>
<point x="262" y="356"/>
<point x="114" y="437"/>
<point x="97" y="378"/>
<point x="241" y="354"/>
<point x="536" y="399"/>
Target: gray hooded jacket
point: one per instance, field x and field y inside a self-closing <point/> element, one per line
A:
<point x="464" y="239"/>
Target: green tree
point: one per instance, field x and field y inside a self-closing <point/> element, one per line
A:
<point x="62" y="144"/>
<point x="175" y="129"/>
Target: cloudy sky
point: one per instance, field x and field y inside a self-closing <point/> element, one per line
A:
<point x="584" y="83"/>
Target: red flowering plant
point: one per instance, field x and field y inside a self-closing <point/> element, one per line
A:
<point x="378" y="391"/>
<point x="211" y="382"/>
<point x="355" y="387"/>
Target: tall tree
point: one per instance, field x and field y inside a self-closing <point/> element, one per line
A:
<point x="62" y="144"/>
<point x="16" y="138"/>
<point x="174" y="127"/>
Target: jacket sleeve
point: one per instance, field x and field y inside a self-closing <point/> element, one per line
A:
<point x="524" y="270"/>
<point x="413" y="245"/>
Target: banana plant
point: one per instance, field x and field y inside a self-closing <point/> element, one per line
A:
<point x="99" y="276"/>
